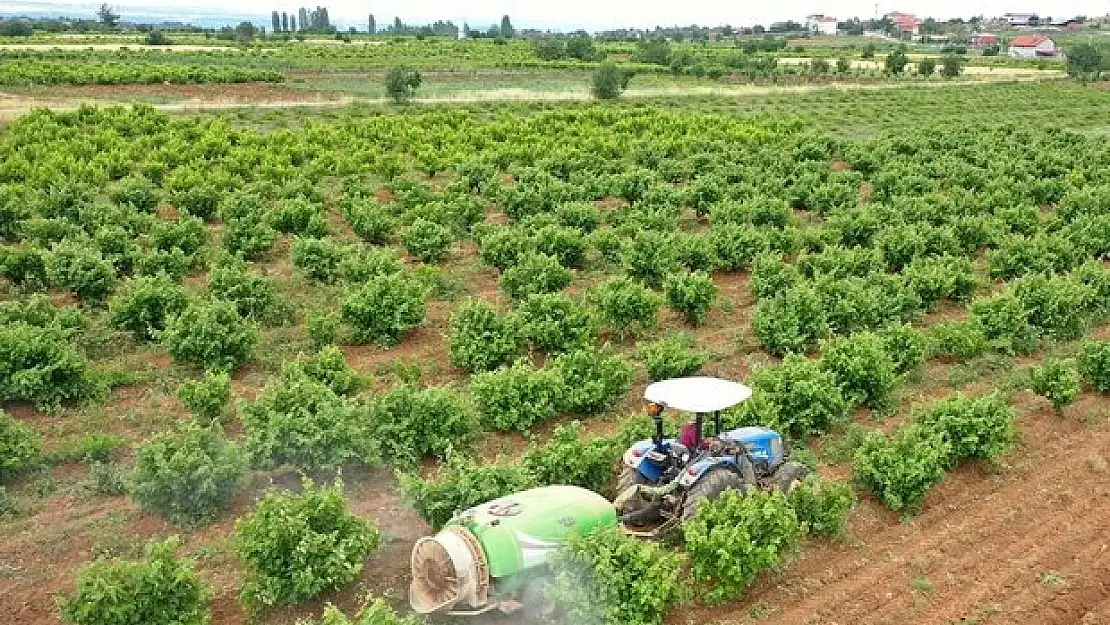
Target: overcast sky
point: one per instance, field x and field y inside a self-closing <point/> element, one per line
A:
<point x="597" y="14"/>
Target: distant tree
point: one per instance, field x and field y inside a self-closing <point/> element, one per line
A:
<point x="401" y="84"/>
<point x="507" y="30"/>
<point x="245" y="32"/>
<point x="581" y="47"/>
<point x="275" y="18"/>
<point x="609" y="81"/>
<point x="951" y="66"/>
<point x="930" y="27"/>
<point x="758" y="29"/>
<point x="819" y="66"/>
<point x="656" y="51"/>
<point x="16" y="28"/>
<point x="843" y="65"/>
<point x="549" y="48"/>
<point x="284" y="22"/>
<point x="926" y="67"/>
<point x="896" y="61"/>
<point x="868" y="51"/>
<point x="107" y="16"/>
<point x="373" y="26"/>
<point x="1084" y="61"/>
<point x="157" y="38"/>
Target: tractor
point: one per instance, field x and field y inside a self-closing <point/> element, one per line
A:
<point x="664" y="480"/>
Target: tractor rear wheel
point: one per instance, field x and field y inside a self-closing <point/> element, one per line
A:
<point x="710" y="487"/>
<point x="789" y="476"/>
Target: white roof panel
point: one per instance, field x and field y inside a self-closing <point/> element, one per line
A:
<point x="698" y="394"/>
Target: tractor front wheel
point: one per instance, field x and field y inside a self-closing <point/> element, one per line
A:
<point x="710" y="487"/>
<point x="789" y="476"/>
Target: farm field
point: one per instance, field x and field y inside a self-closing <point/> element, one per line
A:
<point x="448" y="301"/>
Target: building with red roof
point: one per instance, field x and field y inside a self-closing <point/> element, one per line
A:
<point x="1033" y="47"/>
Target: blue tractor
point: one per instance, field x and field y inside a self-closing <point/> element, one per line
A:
<point x="663" y="480"/>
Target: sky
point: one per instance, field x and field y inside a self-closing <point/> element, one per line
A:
<point x="595" y="15"/>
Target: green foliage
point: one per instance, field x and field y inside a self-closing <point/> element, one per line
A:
<point x="972" y="427"/>
<point x="951" y="66"/>
<point x="822" y="506"/>
<point x="608" y="578"/>
<point x="383" y="310"/>
<point x="301" y="421"/>
<point x="1003" y="320"/>
<point x="188" y="475"/>
<point x="737" y="245"/>
<point x="461" y="485"/>
<point x="81" y="269"/>
<point x="401" y="84"/>
<point x="590" y="381"/>
<point x="566" y="244"/>
<point x="296" y="545"/>
<point x="626" y="306"/>
<point x="959" y="341"/>
<point x="207" y="397"/>
<point x="608" y="81"/>
<point x="799" y="397"/>
<point x="691" y="295"/>
<point x="516" y="397"/>
<point x="863" y="368"/>
<point x="1053" y="304"/>
<point x="20" y="447"/>
<point x="905" y="345"/>
<point x="248" y="237"/>
<point x="210" y="335"/>
<point x="792" y="321"/>
<point x="573" y="457"/>
<point x="555" y="323"/>
<point x="161" y="589"/>
<point x="1094" y="364"/>
<point x="902" y="468"/>
<point x="481" y="339"/>
<point x="299" y="216"/>
<point x="330" y="368"/>
<point x="427" y="241"/>
<point x="143" y="305"/>
<point x="673" y="356"/>
<point x="772" y="275"/>
<point x="1055" y="380"/>
<point x="135" y="191"/>
<point x="896" y="60"/>
<point x="935" y="278"/>
<point x="534" y="274"/>
<point x="926" y="66"/>
<point x="501" y="248"/>
<point x="369" y="220"/>
<point x="91" y="448"/>
<point x="318" y="258"/>
<point x="1085" y="61"/>
<point x="410" y="424"/>
<point x="648" y="257"/>
<point x="376" y="613"/>
<point x="730" y="540"/>
<point x="42" y="366"/>
<point x="255" y="297"/>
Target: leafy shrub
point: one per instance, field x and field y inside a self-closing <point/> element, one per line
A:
<point x="135" y="191"/>
<point x="91" y="448"/>
<point x="299" y="216"/>
<point x="555" y="323"/>
<point x="24" y="267"/>
<point x="428" y="241"/>
<point x="799" y="397"/>
<point x="533" y="274"/>
<point x="481" y="339"/>
<point x="790" y="322"/>
<point x="905" y="345"/>
<point x="207" y="397"/>
<point x="737" y="245"/>
<point x="82" y="270"/>
<point x="20" y="447"/>
<point x="695" y="252"/>
<point x="210" y="335"/>
<point x="566" y="244"/>
<point x="821" y="505"/>
<point x="377" y="612"/>
<point x="731" y="539"/>
<point x="159" y="590"/>
<point x="590" y="381"/>
<point x="1056" y="381"/>
<point x="1040" y="253"/>
<point x="188" y="475"/>
<point x="772" y="275"/>
<point x="248" y="238"/>
<point x="184" y="233"/>
<point x="383" y="310"/>
<point x="501" y="248"/>
<point x="295" y="546"/>
<point x="322" y="328"/>
<point x="516" y="397"/>
<point x="1094" y="364"/>
<point x="1052" y="304"/>
<point x="608" y="578"/>
<point x="143" y="305"/>
<point x="318" y="258"/>
<point x="961" y="341"/>
<point x="648" y="257"/>
<point x="691" y="295"/>
<point x="627" y="306"/>
<point x="410" y="424"/>
<point x="42" y="366"/>
<point x="1004" y="323"/>
<point x="370" y="221"/>
<point x="460" y="485"/>
<point x="255" y="297"/>
<point x="572" y="457"/>
<point x="330" y="368"/>
<point x="365" y="265"/>
<point x="863" y="368"/>
<point x="673" y="356"/>
<point x="300" y="421"/>
<point x="900" y="469"/>
<point x="935" y="278"/>
<point x="972" y="427"/>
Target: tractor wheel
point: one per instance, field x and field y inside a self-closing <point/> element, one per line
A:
<point x="710" y="487"/>
<point x="789" y="476"/>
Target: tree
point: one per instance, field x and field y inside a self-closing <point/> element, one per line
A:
<point x="609" y="81"/>
<point x="1084" y="61"/>
<point x="951" y="66"/>
<point x="157" y="38"/>
<point x="373" y="25"/>
<point x="245" y="32"/>
<point x="868" y="51"/>
<point x="16" y="28"/>
<point x="926" y="67"/>
<point x="275" y="19"/>
<point x="507" y="30"/>
<point x="107" y="16"/>
<point x="401" y="84"/>
<point x="896" y="61"/>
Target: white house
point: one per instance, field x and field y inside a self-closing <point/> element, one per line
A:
<point x="1033" y="47"/>
<point x="821" y="24"/>
<point x="1021" y="19"/>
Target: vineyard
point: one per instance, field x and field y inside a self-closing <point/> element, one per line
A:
<point x="228" y="335"/>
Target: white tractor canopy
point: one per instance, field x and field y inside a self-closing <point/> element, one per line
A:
<point x="698" y="394"/>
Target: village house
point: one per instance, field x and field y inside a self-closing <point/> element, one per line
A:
<point x="821" y="24"/>
<point x="1033" y="47"/>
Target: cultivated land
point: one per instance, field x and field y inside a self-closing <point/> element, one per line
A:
<point x="891" y="201"/>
